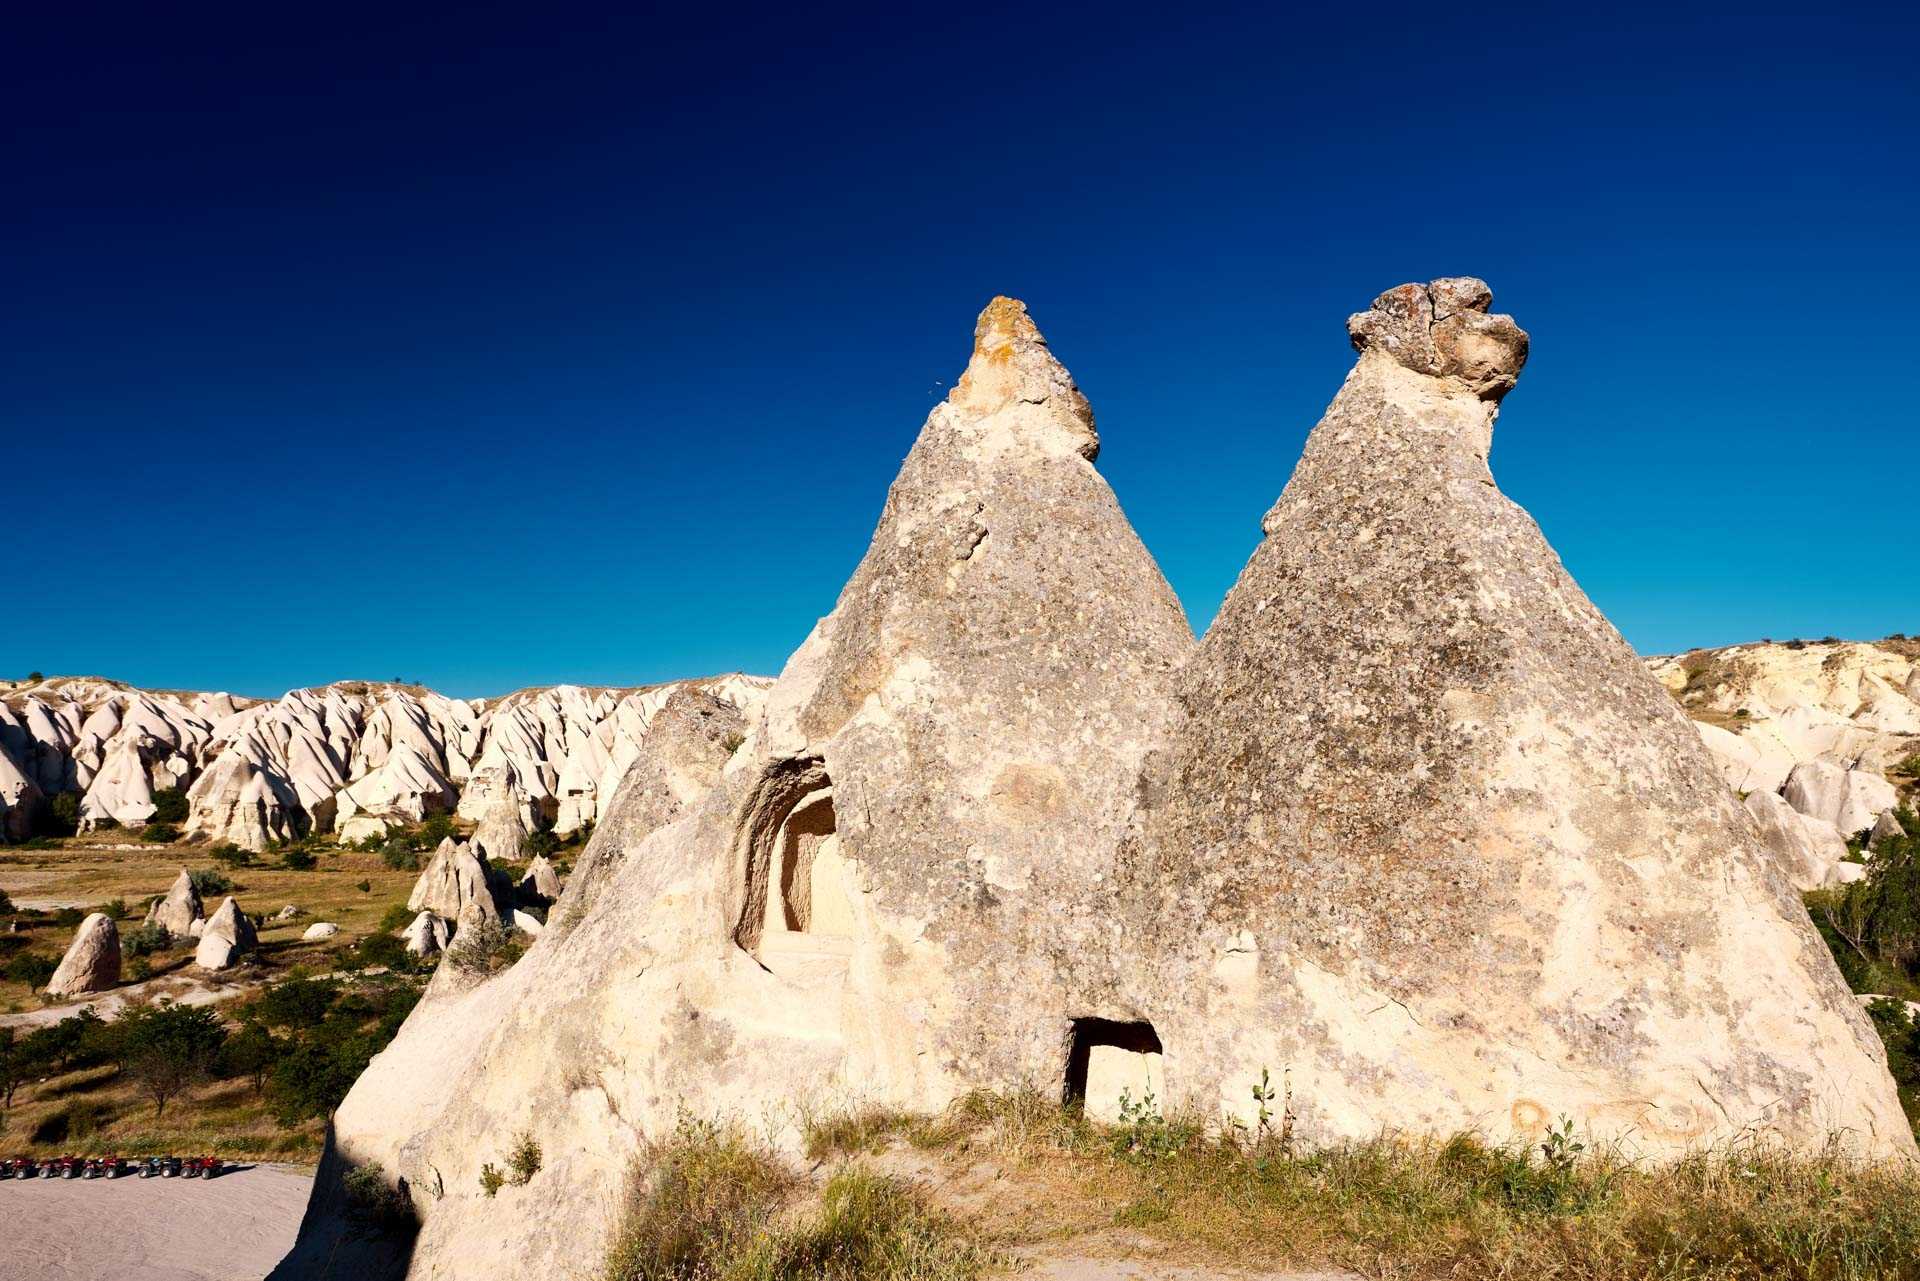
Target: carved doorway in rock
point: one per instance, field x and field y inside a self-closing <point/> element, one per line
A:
<point x="795" y="878"/>
<point x="1109" y="1060"/>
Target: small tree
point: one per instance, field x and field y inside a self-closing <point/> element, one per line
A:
<point x="296" y="859"/>
<point x="159" y="833"/>
<point x="209" y="882"/>
<point x="6" y="904"/>
<point x="169" y="805"/>
<point x="14" y="1066"/>
<point x="166" y="1049"/>
<point x="251" y="1053"/>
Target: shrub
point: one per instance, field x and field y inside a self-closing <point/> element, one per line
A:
<point x="524" y="1159"/>
<point x="144" y="940"/>
<point x="374" y="1201"/>
<point x="395" y="918"/>
<point x="251" y="1053"/>
<point x="491" y="1180"/>
<point x="231" y="856"/>
<point x="485" y="948"/>
<point x="30" y="968"/>
<point x="169" y="805"/>
<point x="296" y="859"/>
<point x="399" y="855"/>
<point x="383" y="949"/>
<point x="68" y="917"/>
<point x="60" y="816"/>
<point x="159" y="833"/>
<point x="210" y="882"/>
<point x="364" y="886"/>
<point x="434" y="830"/>
<point x="6" y="904"/>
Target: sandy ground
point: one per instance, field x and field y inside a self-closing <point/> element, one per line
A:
<point x="233" y="1228"/>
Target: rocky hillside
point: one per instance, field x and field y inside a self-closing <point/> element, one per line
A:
<point x="1819" y="737"/>
<point x="351" y="758"/>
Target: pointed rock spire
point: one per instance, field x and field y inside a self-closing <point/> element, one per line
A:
<point x="1440" y="839"/>
<point x="1012" y="368"/>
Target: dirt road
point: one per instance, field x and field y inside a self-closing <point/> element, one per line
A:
<point x="233" y="1228"/>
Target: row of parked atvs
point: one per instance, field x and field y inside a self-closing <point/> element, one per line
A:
<point x="112" y="1167"/>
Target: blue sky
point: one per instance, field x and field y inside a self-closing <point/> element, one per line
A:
<point x="495" y="346"/>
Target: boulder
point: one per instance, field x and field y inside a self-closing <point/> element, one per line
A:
<point x="1850" y="799"/>
<point x="92" y="962"/>
<point x="527" y="923"/>
<point x="233" y="924"/>
<point x="501" y="834"/>
<point x="1845" y="873"/>
<point x="179" y="909"/>
<point x="1803" y="848"/>
<point x="215" y="952"/>
<point x="287" y="913"/>
<point x="427" y="935"/>
<point x="540" y="881"/>
<point x="1885" y="828"/>
<point x="319" y="932"/>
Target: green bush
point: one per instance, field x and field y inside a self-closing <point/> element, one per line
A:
<point x="296" y="859"/>
<point x="169" y="806"/>
<point x="435" y="829"/>
<point x="323" y="1060"/>
<point x="159" y="833"/>
<point x="231" y="856"/>
<point x="6" y="904"/>
<point x="373" y="1201"/>
<point x="60" y="816"/>
<point x="145" y="940"/>
<point x="396" y="917"/>
<point x="383" y="949"/>
<point x="484" y="948"/>
<point x="30" y="968"/>
<point x="210" y="882"/>
<point x="166" y="1049"/>
<point x="68" y="917"/>
<point x="524" y="1159"/>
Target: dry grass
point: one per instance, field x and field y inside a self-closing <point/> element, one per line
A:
<point x="83" y="871"/>
<point x="715" y="1204"/>
<point x="92" y="1112"/>
<point x="1392" y="1208"/>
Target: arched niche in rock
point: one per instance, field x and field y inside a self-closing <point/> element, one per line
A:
<point x="792" y="875"/>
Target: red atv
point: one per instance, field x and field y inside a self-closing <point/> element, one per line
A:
<point x="69" y="1167"/>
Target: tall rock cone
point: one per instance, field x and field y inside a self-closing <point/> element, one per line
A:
<point x="1436" y="844"/>
<point x="892" y="891"/>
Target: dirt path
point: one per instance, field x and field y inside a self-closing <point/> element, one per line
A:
<point x="233" y="1228"/>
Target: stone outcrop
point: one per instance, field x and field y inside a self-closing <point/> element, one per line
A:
<point x="427" y="935"/>
<point x="1806" y="850"/>
<point x="1413" y="829"/>
<point x="540" y="881"/>
<point x="1849" y="799"/>
<point x="92" y="962"/>
<point x="227" y="935"/>
<point x="179" y="909"/>
<point x="455" y="878"/>
<point x="319" y="932"/>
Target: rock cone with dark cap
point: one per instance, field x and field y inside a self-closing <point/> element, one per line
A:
<point x="1435" y="843"/>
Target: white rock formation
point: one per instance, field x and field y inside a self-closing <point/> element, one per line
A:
<point x="180" y="909"/>
<point x="92" y="962"/>
<point x="1887" y="828"/>
<point x="455" y="878"/>
<point x="527" y="922"/>
<point x="215" y="952"/>
<point x="356" y="756"/>
<point x="540" y="880"/>
<point x="227" y="934"/>
<point x="1805" y="849"/>
<point x="319" y="932"/>
<point x="427" y="935"/>
<point x="1851" y="800"/>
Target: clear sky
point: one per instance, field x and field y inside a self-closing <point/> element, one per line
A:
<point x="505" y="345"/>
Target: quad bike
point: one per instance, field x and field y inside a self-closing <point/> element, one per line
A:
<point x="70" y="1167"/>
<point x="170" y="1167"/>
<point x="150" y="1167"/>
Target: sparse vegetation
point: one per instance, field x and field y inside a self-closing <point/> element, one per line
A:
<point x="210" y="882"/>
<point x="231" y="856"/>
<point x="169" y="806"/>
<point x="483" y="949"/>
<point x="711" y="1202"/>
<point x="166" y="1049"/>
<point x="1461" y="1208"/>
<point x="524" y="1159"/>
<point x="374" y="1201"/>
<point x="160" y="834"/>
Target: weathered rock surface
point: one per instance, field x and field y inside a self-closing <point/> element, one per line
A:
<point x="319" y="932"/>
<point x="1431" y="839"/>
<point x="215" y="952"/>
<point x="92" y="962"/>
<point x="877" y="895"/>
<point x="231" y="924"/>
<point x="179" y="909"/>
<point x="1804" y="849"/>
